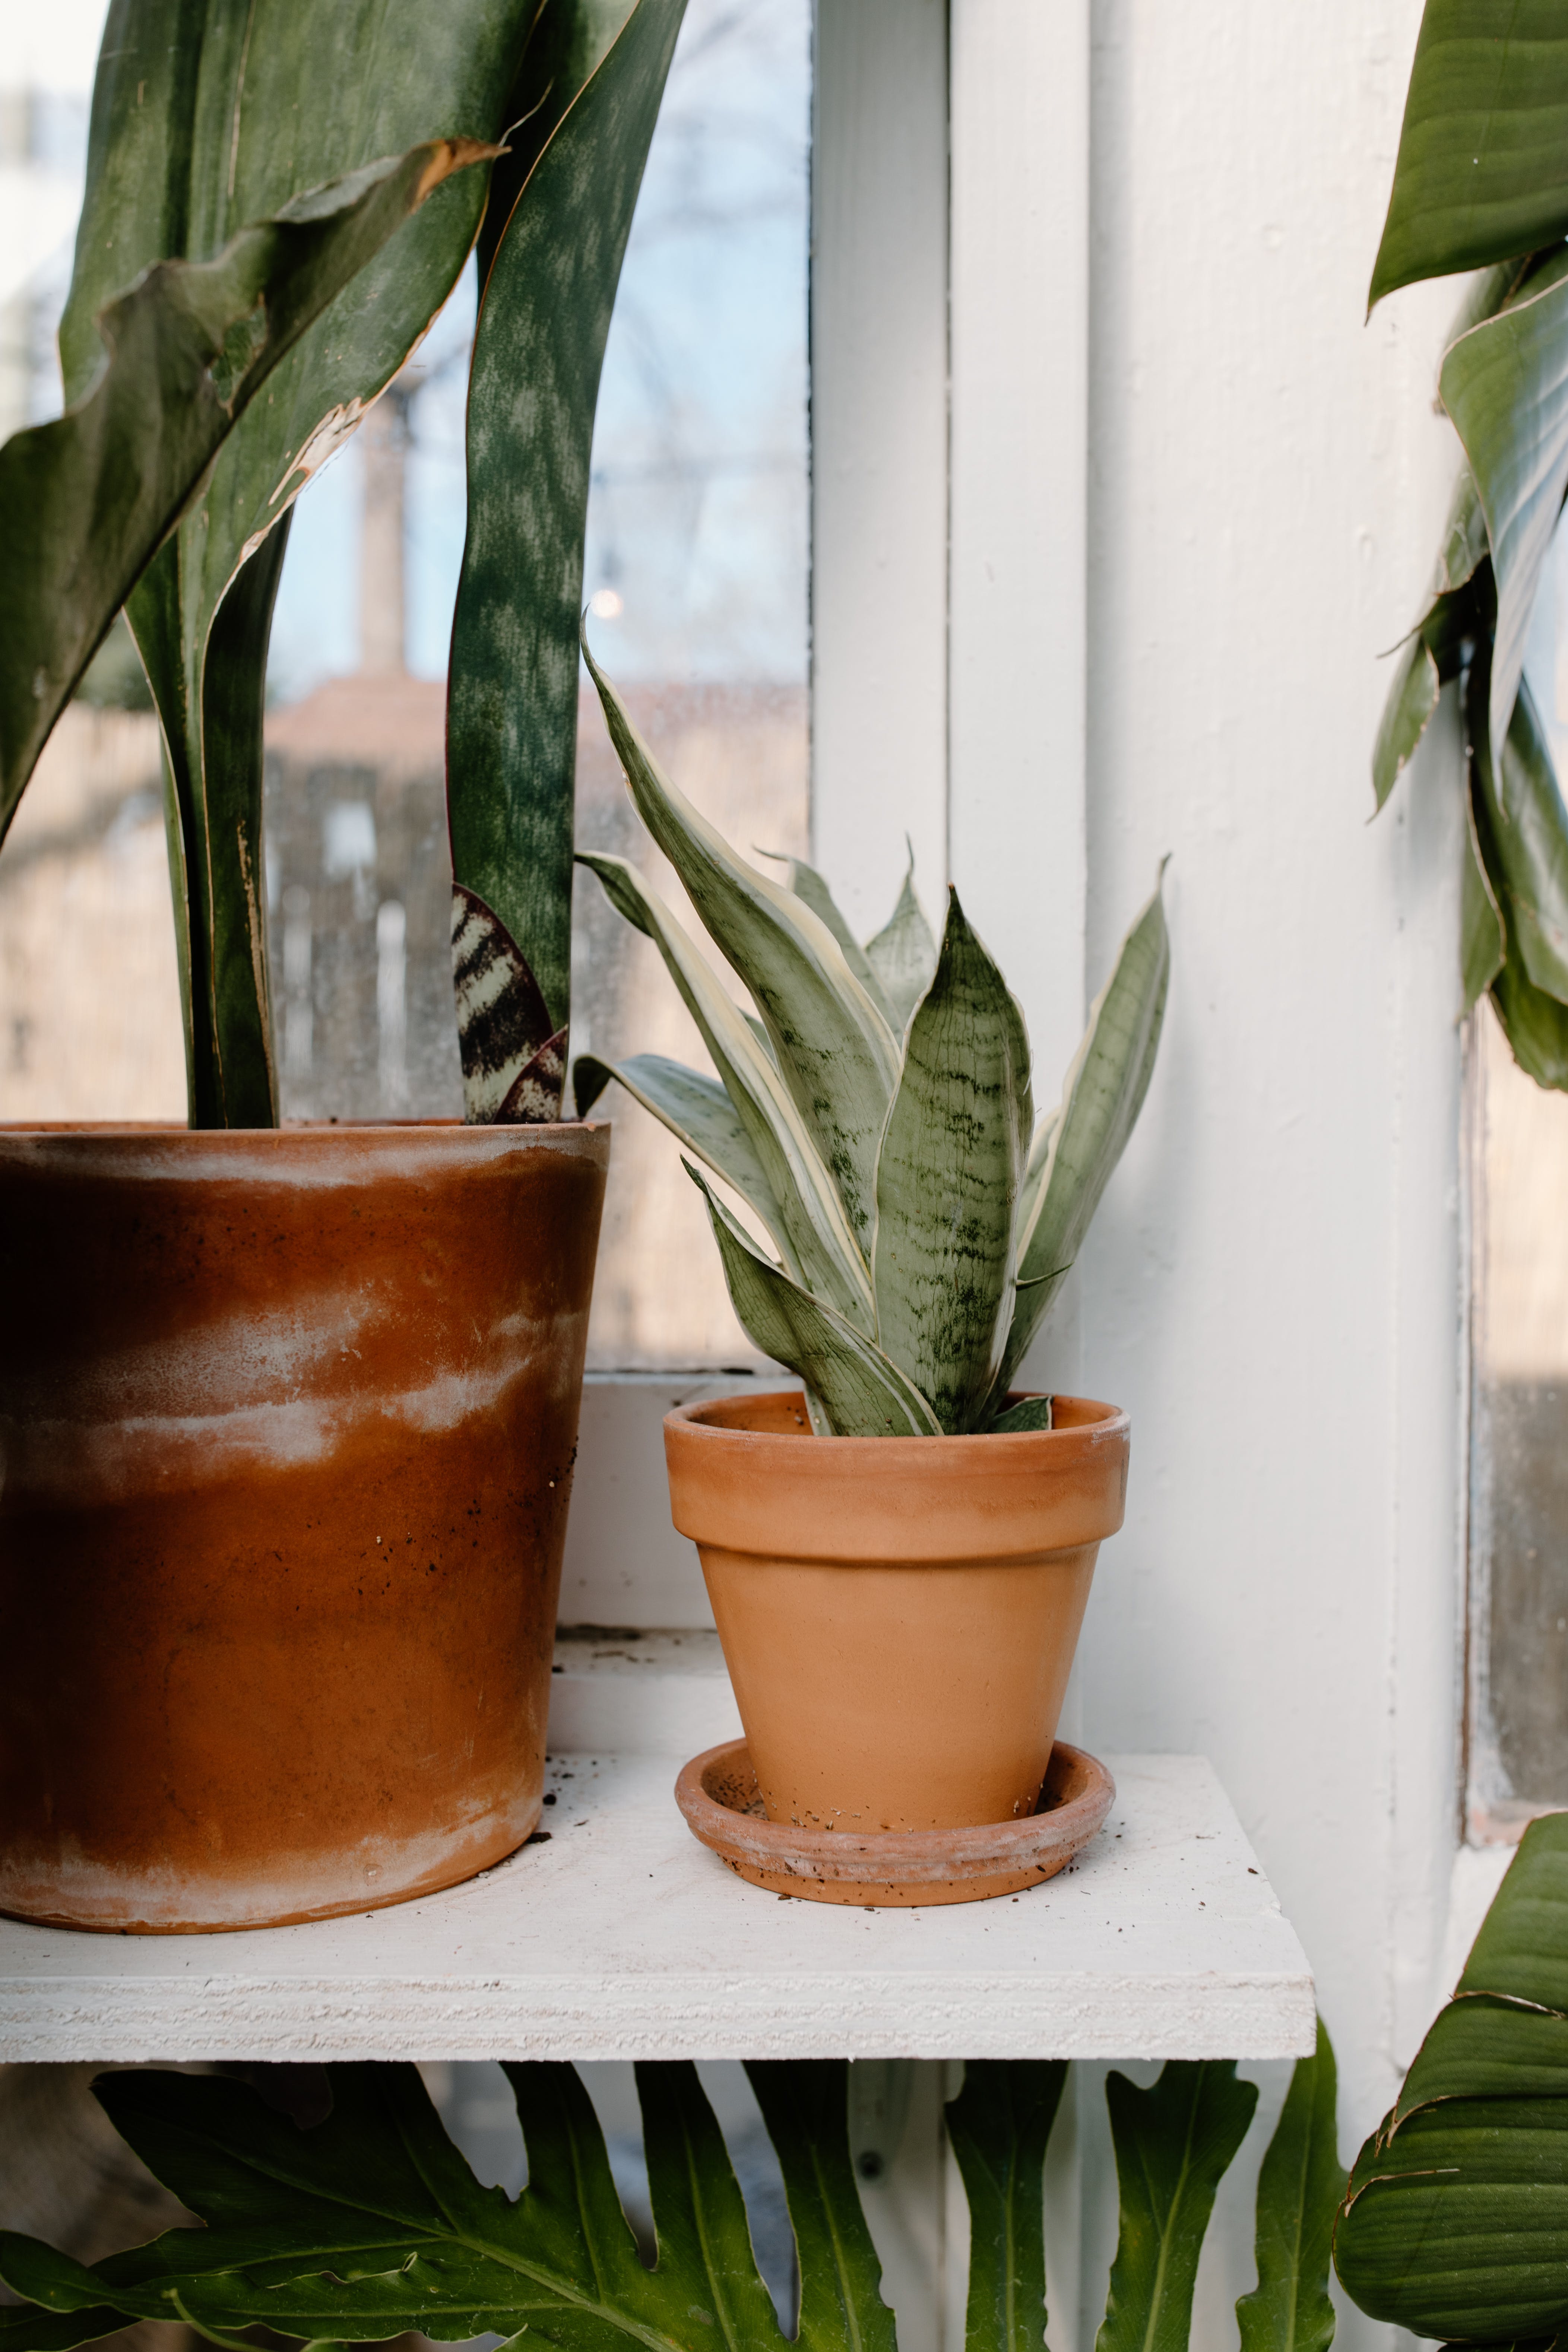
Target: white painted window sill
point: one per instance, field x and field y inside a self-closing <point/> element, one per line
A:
<point x="623" y="1938"/>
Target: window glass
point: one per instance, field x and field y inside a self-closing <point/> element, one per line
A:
<point x="697" y="578"/>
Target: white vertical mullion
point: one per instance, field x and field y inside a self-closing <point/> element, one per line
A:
<point x="1019" y="261"/>
<point x="878" y="406"/>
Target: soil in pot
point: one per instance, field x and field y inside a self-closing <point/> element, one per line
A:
<point x="289" y="1422"/>
<point x="899" y="1616"/>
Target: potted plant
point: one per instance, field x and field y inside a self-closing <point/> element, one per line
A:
<point x="291" y="1414"/>
<point x="899" y="1599"/>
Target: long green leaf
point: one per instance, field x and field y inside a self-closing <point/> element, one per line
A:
<point x="1482" y="171"/>
<point x="824" y="1250"/>
<point x="1412" y="699"/>
<point x="699" y="1112"/>
<point x="804" y="2105"/>
<point x="1529" y="841"/>
<point x="1505" y="384"/>
<point x="837" y="1056"/>
<point x="999" y="2126"/>
<point x="811" y="887"/>
<point x="206" y="115"/>
<point x="370" y="2224"/>
<point x="1173" y="2144"/>
<point x="1100" y="1102"/>
<point x="1457" y="2211"/>
<point x="947" y="1178"/>
<point x="904" y="953"/>
<point x="862" y="1392"/>
<point x="86" y="501"/>
<point x="1483" y="942"/>
<point x="511" y="712"/>
<point x="1299" y="2193"/>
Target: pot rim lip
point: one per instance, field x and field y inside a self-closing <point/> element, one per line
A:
<point x="309" y="1135"/>
<point x="1113" y="1423"/>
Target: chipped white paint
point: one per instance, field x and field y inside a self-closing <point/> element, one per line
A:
<point x="622" y="1936"/>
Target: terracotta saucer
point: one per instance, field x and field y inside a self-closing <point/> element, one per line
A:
<point x="890" y="1869"/>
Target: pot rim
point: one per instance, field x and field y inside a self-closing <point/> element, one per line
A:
<point x="289" y="1130"/>
<point x="1103" y="1424"/>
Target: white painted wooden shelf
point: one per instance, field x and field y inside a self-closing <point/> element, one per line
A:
<point x="622" y="1937"/>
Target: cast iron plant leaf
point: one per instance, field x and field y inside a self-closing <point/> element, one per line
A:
<point x="511" y="713"/>
<point x="86" y="501"/>
<point x="1174" y="2145"/>
<point x="370" y="2224"/>
<point x="1457" y="2213"/>
<point x="999" y="2126"/>
<point x="205" y="116"/>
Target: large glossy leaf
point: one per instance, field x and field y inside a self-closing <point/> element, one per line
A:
<point x="1482" y="171"/>
<point x="1528" y="840"/>
<point x="862" y="1392"/>
<point x="903" y="954"/>
<point x="86" y="501"/>
<point x="1505" y="384"/>
<point x="804" y="2105"/>
<point x="947" y="1179"/>
<point x="699" y="1112"/>
<point x="1535" y="1024"/>
<point x="999" y="2126"/>
<point x="511" y="716"/>
<point x="1457" y="2213"/>
<point x="370" y="2224"/>
<point x="838" y="1055"/>
<point x="1299" y="2192"/>
<point x="205" y="116"/>
<point x="1100" y="1102"/>
<point x="815" y="1231"/>
<point x="1174" y="2143"/>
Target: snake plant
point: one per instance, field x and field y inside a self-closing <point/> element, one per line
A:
<point x="876" y="1118"/>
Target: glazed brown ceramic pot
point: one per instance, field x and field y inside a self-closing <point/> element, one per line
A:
<point x="899" y="1614"/>
<point x="288" y="1422"/>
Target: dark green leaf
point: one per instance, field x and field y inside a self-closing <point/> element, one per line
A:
<point x="1412" y="699"/>
<point x="863" y="1392"/>
<point x="999" y="2126"/>
<point x="1535" y="1024"/>
<point x="511" y="718"/>
<point x="1174" y="2143"/>
<point x="1457" y="2213"/>
<point x="1527" y="842"/>
<point x="947" y="1178"/>
<point x="1299" y="2193"/>
<point x="1505" y="384"/>
<point x="837" y="1054"/>
<point x="1483" y="943"/>
<point x="1482" y="172"/>
<point x="804" y="2105"/>
<point x="86" y="500"/>
<point x="699" y="2214"/>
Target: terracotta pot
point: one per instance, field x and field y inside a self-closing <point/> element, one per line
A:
<point x="288" y="1422"/>
<point x="899" y="1614"/>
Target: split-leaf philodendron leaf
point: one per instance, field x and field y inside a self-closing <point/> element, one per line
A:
<point x="1298" y="2191"/>
<point x="86" y="501"/>
<point x="544" y="318"/>
<point x="906" y="1306"/>
<point x="1174" y="2145"/>
<point x="204" y="117"/>
<point x="1456" y="2214"/>
<point x="999" y="2126"/>
<point x="1481" y="180"/>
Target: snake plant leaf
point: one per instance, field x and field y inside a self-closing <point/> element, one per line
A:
<point x="1528" y="838"/>
<point x="1457" y="2211"/>
<point x="1299" y="2193"/>
<point x="699" y="1113"/>
<point x="805" y="2104"/>
<point x="205" y="116"/>
<point x="1100" y="1102"/>
<point x="811" y="886"/>
<point x="1482" y="170"/>
<point x="817" y="1242"/>
<point x="86" y="501"/>
<point x="837" y="1056"/>
<point x="503" y="1021"/>
<point x="1505" y="384"/>
<point x="539" y="347"/>
<point x="1173" y="2144"/>
<point x="1029" y="1413"/>
<point x="947" y="1179"/>
<point x="370" y="2224"/>
<point x="903" y="954"/>
<point x="862" y="1392"/>
<point x="999" y="2126"/>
